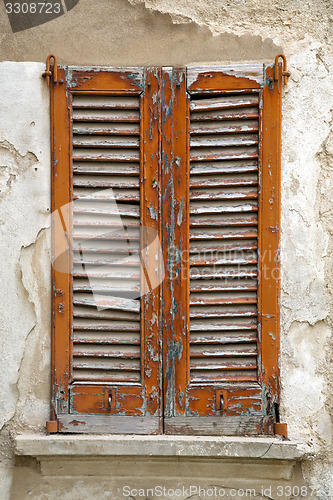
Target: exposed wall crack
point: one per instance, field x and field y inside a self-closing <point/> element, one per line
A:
<point x="267" y="451"/>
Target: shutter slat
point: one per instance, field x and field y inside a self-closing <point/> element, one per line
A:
<point x="102" y="115"/>
<point x="223" y="324"/>
<point x="223" y="167"/>
<point x="108" y="168"/>
<point x="129" y="129"/>
<point x="219" y="314"/>
<point x="228" y="154"/>
<point x="104" y="286"/>
<point x="100" y="154"/>
<point x="92" y="363"/>
<point x="110" y="303"/>
<point x="237" y="233"/>
<point x="86" y="180"/>
<point x="106" y="142"/>
<point x="229" y="127"/>
<point x="222" y="285"/>
<point x="223" y="337"/>
<point x="213" y="193"/>
<point x="219" y="247"/>
<point x="223" y="238"/>
<point x="98" y="374"/>
<point x="219" y="376"/>
<point x="203" y="299"/>
<point x="118" y="339"/>
<point x="232" y="102"/>
<point x="213" y="207"/>
<point x="216" y="141"/>
<point x="104" y="102"/>
<point x="203" y="260"/>
<point x="129" y="352"/>
<point x="102" y="247"/>
<point x="227" y="365"/>
<point x="81" y="312"/>
<point x="222" y="181"/>
<point x="221" y="221"/>
<point x="106" y="209"/>
<point x="107" y="326"/>
<point x="211" y="272"/>
<point x="88" y="258"/>
<point x="104" y="222"/>
<point x="241" y="114"/>
<point x="106" y="272"/>
<point x="230" y="350"/>
<point x="81" y="234"/>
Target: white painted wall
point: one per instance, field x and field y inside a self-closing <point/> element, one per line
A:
<point x="306" y="244"/>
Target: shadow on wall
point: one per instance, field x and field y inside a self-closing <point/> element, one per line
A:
<point x="113" y="32"/>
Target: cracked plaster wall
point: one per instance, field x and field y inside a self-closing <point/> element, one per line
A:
<point x="25" y="298"/>
<point x="181" y="32"/>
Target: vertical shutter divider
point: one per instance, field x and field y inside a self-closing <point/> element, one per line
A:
<point x="175" y="242"/>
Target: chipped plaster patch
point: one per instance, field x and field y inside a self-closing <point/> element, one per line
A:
<point x="12" y="164"/>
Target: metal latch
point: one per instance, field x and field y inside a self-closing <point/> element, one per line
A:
<point x="221" y="400"/>
<point x="110" y="399"/>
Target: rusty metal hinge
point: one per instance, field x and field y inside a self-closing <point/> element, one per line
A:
<point x="285" y="73"/>
<point x="51" y="71"/>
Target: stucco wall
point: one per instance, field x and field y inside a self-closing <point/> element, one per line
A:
<point x="165" y="32"/>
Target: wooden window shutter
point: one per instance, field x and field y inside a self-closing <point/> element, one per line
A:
<point x="106" y="311"/>
<point x="221" y="145"/>
<point x="166" y="169"/>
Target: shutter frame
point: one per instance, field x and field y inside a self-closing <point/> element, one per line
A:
<point x="165" y="127"/>
<point x="85" y="406"/>
<point x="250" y="408"/>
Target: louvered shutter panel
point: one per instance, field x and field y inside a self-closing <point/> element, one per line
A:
<point x="225" y="290"/>
<point x="189" y="159"/>
<point x="106" y="303"/>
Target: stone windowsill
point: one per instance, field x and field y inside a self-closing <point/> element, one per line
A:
<point x="172" y="456"/>
<point x="36" y="445"/>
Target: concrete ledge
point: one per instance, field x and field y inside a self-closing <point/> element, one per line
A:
<point x="157" y="446"/>
<point x="162" y="457"/>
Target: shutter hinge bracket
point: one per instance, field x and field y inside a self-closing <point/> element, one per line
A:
<point x="51" y="71"/>
<point x="286" y="74"/>
<point x="277" y="74"/>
